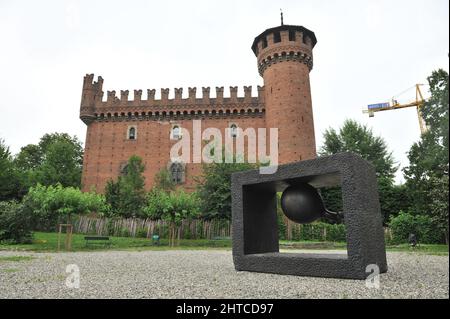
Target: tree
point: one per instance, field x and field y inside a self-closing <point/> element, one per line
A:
<point x="10" y="179"/>
<point x="29" y="157"/>
<point x="164" y="181"/>
<point x="16" y="224"/>
<point x="357" y="138"/>
<point x="127" y="196"/>
<point x="173" y="207"/>
<point x="428" y="170"/>
<point x="57" y="158"/>
<point x="214" y="188"/>
<point x="60" y="165"/>
<point x="49" y="204"/>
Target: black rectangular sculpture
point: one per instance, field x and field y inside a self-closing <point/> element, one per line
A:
<point x="255" y="227"/>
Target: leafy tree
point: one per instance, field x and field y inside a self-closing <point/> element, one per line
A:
<point x="60" y="165"/>
<point x="427" y="173"/>
<point x="48" y="139"/>
<point x="172" y="207"/>
<point x="10" y="179"/>
<point x="127" y="196"/>
<point x="16" y="224"/>
<point x="29" y="158"/>
<point x="439" y="204"/>
<point x="57" y="158"/>
<point x="357" y="138"/>
<point x="50" y="204"/>
<point x="421" y="225"/>
<point x="164" y="181"/>
<point x="214" y="188"/>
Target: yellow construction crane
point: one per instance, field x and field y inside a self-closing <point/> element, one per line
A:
<point x="394" y="105"/>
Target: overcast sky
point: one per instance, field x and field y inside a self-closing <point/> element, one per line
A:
<point x="367" y="52"/>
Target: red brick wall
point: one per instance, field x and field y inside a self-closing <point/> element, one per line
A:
<point x="107" y="147"/>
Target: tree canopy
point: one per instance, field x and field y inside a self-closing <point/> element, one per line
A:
<point x="357" y="138"/>
<point x="427" y="174"/>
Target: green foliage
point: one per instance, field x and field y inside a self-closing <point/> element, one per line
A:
<point x="29" y="158"/>
<point x="15" y="223"/>
<point x="49" y="204"/>
<point x="57" y="159"/>
<point x="214" y="188"/>
<point x="164" y="181"/>
<point x="427" y="174"/>
<point x="359" y="139"/>
<point x="141" y="233"/>
<point x="173" y="206"/>
<point x="439" y="204"/>
<point x="420" y="225"/>
<point x="10" y="179"/>
<point x="318" y="231"/>
<point x="127" y="196"/>
<point x="332" y="197"/>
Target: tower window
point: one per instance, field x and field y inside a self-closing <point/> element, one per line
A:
<point x="233" y="130"/>
<point x="276" y="37"/>
<point x="177" y="172"/>
<point x="264" y="43"/>
<point x="176" y="132"/>
<point x="291" y="35"/>
<point x="132" y="133"/>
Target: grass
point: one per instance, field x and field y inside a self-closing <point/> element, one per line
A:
<point x="48" y="242"/>
<point x="10" y="270"/>
<point x="15" y="258"/>
<point x="428" y="249"/>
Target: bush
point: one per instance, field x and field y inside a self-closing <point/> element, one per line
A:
<point x="15" y="223"/>
<point x="420" y="225"/>
<point x="141" y="233"/>
<point x="171" y="206"/>
<point x="50" y="204"/>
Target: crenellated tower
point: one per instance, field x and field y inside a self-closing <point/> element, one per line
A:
<point x="92" y="94"/>
<point x="284" y="56"/>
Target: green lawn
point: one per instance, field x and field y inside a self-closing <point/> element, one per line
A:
<point x="48" y="242"/>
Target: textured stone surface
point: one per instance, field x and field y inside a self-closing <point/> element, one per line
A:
<point x="255" y="228"/>
<point x="206" y="274"/>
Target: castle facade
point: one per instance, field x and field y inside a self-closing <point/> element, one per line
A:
<point x="120" y="127"/>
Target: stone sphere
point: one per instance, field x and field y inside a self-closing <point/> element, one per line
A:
<point x="302" y="203"/>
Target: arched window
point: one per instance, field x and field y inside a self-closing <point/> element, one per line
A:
<point x="123" y="168"/>
<point x="233" y="130"/>
<point x="177" y="172"/>
<point x="176" y="132"/>
<point x="132" y="133"/>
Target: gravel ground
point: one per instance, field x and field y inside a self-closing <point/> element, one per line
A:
<point x="204" y="274"/>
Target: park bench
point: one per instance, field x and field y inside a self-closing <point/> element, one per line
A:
<point x="99" y="239"/>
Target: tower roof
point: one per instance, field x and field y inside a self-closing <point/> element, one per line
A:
<point x="285" y="28"/>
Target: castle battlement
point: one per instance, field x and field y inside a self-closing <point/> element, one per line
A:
<point x="94" y="107"/>
<point x="284" y="43"/>
<point x="123" y="99"/>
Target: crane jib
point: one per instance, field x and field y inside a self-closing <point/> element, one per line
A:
<point x="378" y="106"/>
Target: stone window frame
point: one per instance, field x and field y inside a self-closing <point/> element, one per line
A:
<point x="180" y="135"/>
<point x="135" y="132"/>
<point x="181" y="179"/>
<point x="230" y="127"/>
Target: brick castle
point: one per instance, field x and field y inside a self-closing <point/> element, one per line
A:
<point x="121" y="127"/>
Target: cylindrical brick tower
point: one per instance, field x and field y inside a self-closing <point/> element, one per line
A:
<point x="285" y="59"/>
